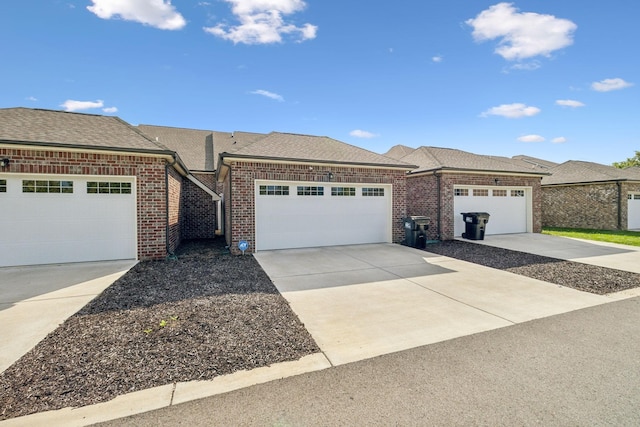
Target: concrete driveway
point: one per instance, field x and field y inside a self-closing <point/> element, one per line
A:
<point x="35" y="300"/>
<point x="366" y="300"/>
<point x="620" y="257"/>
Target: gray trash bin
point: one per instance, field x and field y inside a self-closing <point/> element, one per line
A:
<point x="415" y="230"/>
<point x="474" y="225"/>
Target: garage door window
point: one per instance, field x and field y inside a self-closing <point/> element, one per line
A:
<point x="343" y="191"/>
<point x="517" y="193"/>
<point x="499" y="193"/>
<point x="3" y="185"/>
<point x="634" y="196"/>
<point x="461" y="192"/>
<point x="33" y="186"/>
<point x="94" y="187"/>
<point x="274" y="190"/>
<point x="310" y="191"/>
<point x="373" y="192"/>
<point x="480" y="192"/>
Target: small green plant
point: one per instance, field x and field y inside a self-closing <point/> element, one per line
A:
<point x="162" y="324"/>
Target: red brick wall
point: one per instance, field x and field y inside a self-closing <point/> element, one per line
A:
<point x="592" y="206"/>
<point x="240" y="206"/>
<point x="149" y="171"/>
<point x="174" y="181"/>
<point x="422" y="198"/>
<point x="199" y="209"/>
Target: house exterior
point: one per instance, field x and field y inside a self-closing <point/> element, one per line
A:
<point x="449" y="182"/>
<point x="581" y="194"/>
<point x="81" y="187"/>
<point x="291" y="191"/>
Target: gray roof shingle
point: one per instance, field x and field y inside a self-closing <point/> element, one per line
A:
<point x="575" y="172"/>
<point x="195" y="147"/>
<point x="399" y="151"/>
<point x="436" y="158"/>
<point x="59" y="128"/>
<point x="288" y="146"/>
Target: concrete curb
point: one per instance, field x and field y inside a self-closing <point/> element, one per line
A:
<point x="168" y="395"/>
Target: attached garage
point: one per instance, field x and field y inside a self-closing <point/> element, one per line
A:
<point x="49" y="219"/>
<point x="308" y="214"/>
<point x="633" y="206"/>
<point x="509" y="208"/>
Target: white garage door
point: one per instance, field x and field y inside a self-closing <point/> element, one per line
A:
<point x="633" y="211"/>
<point x="57" y="219"/>
<point x="298" y="215"/>
<point x="509" y="208"/>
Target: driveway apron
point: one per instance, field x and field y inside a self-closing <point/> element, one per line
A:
<point x="35" y="300"/>
<point x="362" y="301"/>
<point x="603" y="254"/>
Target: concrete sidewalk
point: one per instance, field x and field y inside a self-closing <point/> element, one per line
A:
<point x="35" y="300"/>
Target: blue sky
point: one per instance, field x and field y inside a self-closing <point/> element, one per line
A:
<point x="557" y="80"/>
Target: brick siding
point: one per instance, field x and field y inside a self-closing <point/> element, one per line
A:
<point x="240" y="202"/>
<point x="149" y="171"/>
<point x="592" y="206"/>
<point x="422" y="198"/>
<point x="199" y="209"/>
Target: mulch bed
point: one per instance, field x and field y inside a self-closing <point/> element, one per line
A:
<point x="202" y="315"/>
<point x="584" y="277"/>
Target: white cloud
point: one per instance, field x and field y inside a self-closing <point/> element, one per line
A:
<point x="531" y="138"/>
<point x="522" y="35"/>
<point x="362" y="134"/>
<point x="607" y="85"/>
<point x="155" y="13"/>
<point x="559" y="140"/>
<point x="268" y="94"/>
<point x="569" y="103"/>
<point x="437" y="58"/>
<point x="526" y="66"/>
<point x="110" y="110"/>
<point x="31" y="98"/>
<point x="511" y="111"/>
<point x="71" y="105"/>
<point x="262" y="22"/>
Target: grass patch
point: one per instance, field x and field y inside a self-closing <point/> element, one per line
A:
<point x="631" y="238"/>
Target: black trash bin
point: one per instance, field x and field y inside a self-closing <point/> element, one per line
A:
<point x="474" y="225"/>
<point x="415" y="230"/>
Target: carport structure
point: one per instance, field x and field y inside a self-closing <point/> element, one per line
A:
<point x="449" y="182"/>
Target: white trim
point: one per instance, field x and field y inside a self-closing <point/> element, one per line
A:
<point x="209" y="191"/>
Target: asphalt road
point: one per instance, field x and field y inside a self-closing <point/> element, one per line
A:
<point x="577" y="369"/>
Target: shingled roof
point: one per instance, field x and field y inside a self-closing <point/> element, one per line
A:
<point x="59" y="128"/>
<point x="295" y="147"/>
<point x="436" y="158"/>
<point x="399" y="151"/>
<point x="579" y="172"/>
<point x="194" y="146"/>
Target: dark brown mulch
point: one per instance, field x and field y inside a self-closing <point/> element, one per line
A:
<point x="584" y="277"/>
<point x="202" y="315"/>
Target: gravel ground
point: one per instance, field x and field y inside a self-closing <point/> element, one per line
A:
<point x="203" y="315"/>
<point x="584" y="277"/>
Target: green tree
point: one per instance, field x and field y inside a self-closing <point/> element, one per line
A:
<point x="631" y="161"/>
